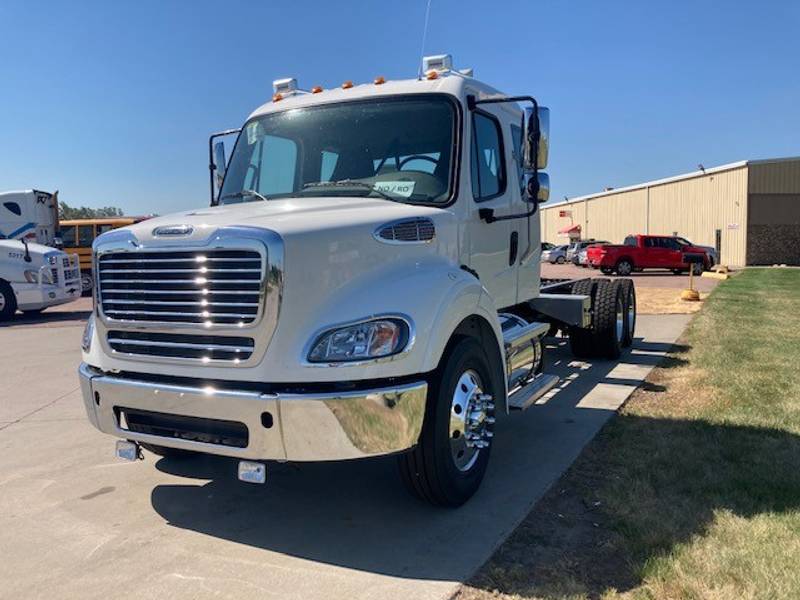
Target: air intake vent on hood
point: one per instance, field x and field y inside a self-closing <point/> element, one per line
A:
<point x="419" y="230"/>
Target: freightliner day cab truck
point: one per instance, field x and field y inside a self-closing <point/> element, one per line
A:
<point x="365" y="283"/>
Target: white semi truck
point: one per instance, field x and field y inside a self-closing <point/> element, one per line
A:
<point x="31" y="215"/>
<point x="366" y="282"/>
<point x="34" y="277"/>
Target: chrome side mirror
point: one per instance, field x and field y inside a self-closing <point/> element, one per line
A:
<point x="537" y="138"/>
<point x="538" y="188"/>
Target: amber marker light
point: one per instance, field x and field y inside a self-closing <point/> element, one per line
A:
<point x="316" y="89"/>
<point x="431" y="75"/>
<point x="347" y="85"/>
<point x="277" y="97"/>
<point x="380" y="80"/>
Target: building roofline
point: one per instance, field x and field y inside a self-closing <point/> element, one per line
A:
<point x="692" y="175"/>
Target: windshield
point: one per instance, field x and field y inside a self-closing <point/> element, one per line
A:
<point x="397" y="149"/>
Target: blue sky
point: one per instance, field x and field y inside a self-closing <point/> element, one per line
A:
<point x="112" y="102"/>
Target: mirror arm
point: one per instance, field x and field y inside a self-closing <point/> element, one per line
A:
<point x="487" y="214"/>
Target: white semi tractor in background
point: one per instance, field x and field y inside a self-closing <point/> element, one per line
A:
<point x="34" y="277"/>
<point x="366" y="282"/>
<point x="31" y="215"/>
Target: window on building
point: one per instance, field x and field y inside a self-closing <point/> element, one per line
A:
<point x="487" y="168"/>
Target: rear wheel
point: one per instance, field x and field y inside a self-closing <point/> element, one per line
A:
<point x="624" y="267"/>
<point x="449" y="462"/>
<point x="604" y="338"/>
<point x="87" y="283"/>
<point x="8" y="301"/>
<point x="561" y="260"/>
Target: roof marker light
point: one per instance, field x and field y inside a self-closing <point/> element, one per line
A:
<point x="277" y="97"/>
<point x="347" y="85"/>
<point x="430" y="75"/>
<point x="380" y="80"/>
<point x="316" y="89"/>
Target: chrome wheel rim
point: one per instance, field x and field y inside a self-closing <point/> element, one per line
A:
<point x="2" y="301"/>
<point x="624" y="268"/>
<point x="631" y="314"/>
<point x="620" y="319"/>
<point x="470" y="420"/>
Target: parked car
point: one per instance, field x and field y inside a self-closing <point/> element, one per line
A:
<point x="711" y="252"/>
<point x="640" y="252"/>
<point x="547" y="246"/>
<point x="557" y="254"/>
<point x="574" y="250"/>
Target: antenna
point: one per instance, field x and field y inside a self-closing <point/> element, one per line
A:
<point x="424" y="36"/>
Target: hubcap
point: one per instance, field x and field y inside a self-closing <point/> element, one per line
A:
<point x="470" y="420"/>
<point x="631" y="315"/>
<point x="624" y="268"/>
<point x="620" y="319"/>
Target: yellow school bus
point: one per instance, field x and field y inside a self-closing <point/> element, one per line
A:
<point x="77" y="236"/>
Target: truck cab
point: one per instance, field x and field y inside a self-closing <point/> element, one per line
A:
<point x="363" y="284"/>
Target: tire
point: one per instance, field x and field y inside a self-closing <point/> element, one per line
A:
<point x="433" y="470"/>
<point x="629" y="296"/>
<point x="580" y="339"/>
<point x="624" y="267"/>
<point x="561" y="260"/>
<point x="608" y="323"/>
<point x="8" y="301"/>
<point x="87" y="283"/>
<point x="698" y="268"/>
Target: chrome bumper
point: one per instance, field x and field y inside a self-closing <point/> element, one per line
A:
<point x="297" y="427"/>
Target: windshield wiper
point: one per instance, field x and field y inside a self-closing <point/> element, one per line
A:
<point x="245" y="193"/>
<point x="350" y="183"/>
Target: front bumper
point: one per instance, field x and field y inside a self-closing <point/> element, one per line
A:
<point x="33" y="296"/>
<point x="255" y="425"/>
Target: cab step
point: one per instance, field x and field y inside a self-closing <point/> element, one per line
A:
<point x="525" y="396"/>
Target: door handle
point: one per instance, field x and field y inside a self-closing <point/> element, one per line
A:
<point x="514" y="248"/>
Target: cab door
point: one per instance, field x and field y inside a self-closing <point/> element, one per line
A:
<point x="490" y="243"/>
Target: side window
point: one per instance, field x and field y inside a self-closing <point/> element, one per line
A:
<point x="650" y="243"/>
<point x="516" y="140"/>
<point x="13" y="207"/>
<point x="85" y="235"/>
<point x="630" y="241"/>
<point x="68" y="236"/>
<point x="487" y="166"/>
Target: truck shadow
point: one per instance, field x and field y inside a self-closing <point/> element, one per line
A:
<point x="357" y="515"/>
<point x="43" y="319"/>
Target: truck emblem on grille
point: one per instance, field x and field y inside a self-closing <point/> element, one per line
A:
<point x="173" y="230"/>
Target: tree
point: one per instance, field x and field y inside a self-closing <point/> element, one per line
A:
<point x="84" y="212"/>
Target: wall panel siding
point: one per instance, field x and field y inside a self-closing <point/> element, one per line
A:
<point x="697" y="207"/>
<point x="616" y="216"/>
<point x="777" y="177"/>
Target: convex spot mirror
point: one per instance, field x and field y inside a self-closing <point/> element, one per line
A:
<point x="537" y="138"/>
<point x="537" y="188"/>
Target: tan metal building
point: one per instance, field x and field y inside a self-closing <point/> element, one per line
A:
<point x="748" y="210"/>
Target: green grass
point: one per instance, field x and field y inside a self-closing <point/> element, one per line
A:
<point x="693" y="490"/>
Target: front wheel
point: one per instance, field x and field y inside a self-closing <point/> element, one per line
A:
<point x="561" y="260"/>
<point x="449" y="462"/>
<point x="624" y="267"/>
<point x="8" y="301"/>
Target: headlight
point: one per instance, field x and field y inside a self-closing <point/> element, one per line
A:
<point x="88" y="333"/>
<point x="361" y="341"/>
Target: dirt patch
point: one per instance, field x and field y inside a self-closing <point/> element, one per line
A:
<point x="665" y="301"/>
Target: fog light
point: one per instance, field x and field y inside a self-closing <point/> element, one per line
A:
<point x="252" y="472"/>
<point x="127" y="450"/>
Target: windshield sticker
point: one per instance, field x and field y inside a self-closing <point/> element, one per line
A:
<point x="404" y="189"/>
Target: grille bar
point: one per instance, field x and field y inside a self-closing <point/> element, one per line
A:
<point x="211" y="287"/>
<point x="183" y="346"/>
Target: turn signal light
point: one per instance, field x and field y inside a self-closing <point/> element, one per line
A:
<point x="347" y="85"/>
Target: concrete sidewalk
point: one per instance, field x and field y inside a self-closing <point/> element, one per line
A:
<point x="74" y="522"/>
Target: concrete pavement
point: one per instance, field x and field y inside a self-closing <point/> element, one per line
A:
<point x="75" y="522"/>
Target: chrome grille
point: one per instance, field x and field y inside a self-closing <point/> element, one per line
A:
<point x="210" y="287"/>
<point x="408" y="230"/>
<point x="196" y="347"/>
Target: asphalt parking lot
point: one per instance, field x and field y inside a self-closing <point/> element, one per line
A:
<point x="76" y="522"/>
<point x="645" y="279"/>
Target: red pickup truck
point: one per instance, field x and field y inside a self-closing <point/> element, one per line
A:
<point x="646" y="252"/>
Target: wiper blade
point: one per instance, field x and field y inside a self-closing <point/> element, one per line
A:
<point x="245" y="193"/>
<point x="350" y="183"/>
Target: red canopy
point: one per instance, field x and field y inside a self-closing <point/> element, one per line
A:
<point x="571" y="229"/>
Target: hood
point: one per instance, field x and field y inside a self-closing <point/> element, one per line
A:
<point x="286" y="217"/>
<point x="34" y="249"/>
